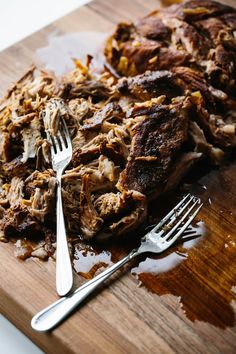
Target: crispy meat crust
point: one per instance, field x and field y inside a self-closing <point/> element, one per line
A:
<point x="194" y="45"/>
<point x="198" y="34"/>
<point x="155" y="147"/>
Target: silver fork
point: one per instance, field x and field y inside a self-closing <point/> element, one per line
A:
<point x="159" y="239"/>
<point x="61" y="153"/>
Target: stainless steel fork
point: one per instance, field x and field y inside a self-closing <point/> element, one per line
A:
<point x="61" y="153"/>
<point x="159" y="239"/>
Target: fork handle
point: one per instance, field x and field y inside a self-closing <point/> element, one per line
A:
<point x="51" y="316"/>
<point x="64" y="274"/>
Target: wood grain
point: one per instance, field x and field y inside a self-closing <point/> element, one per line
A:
<point x="196" y="310"/>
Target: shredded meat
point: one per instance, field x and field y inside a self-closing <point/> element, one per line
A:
<point x="91" y="223"/>
<point x="15" y="193"/>
<point x="4" y="146"/>
<point x="30" y="137"/>
<point x="192" y="45"/>
<point x="54" y="109"/>
<point x="133" y="137"/>
<point x="194" y="33"/>
<point x="40" y="190"/>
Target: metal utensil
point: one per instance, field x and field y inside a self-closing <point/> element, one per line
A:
<point x="159" y="239"/>
<point x="61" y="153"/>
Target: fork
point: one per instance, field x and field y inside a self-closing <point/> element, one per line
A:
<point x="61" y="153"/>
<point x="159" y="239"/>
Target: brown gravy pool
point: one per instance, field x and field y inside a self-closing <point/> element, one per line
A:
<point x="201" y="272"/>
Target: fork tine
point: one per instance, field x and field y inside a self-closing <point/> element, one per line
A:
<point x="52" y="142"/>
<point x="54" y="139"/>
<point x="180" y="221"/>
<point x="184" y="227"/>
<point x="168" y="216"/>
<point x="66" y="133"/>
<point x="61" y="140"/>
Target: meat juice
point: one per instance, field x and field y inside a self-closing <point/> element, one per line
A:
<point x="58" y="55"/>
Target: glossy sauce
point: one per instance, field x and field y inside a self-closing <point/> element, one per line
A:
<point x="87" y="261"/>
<point x="58" y="55"/>
<point x="200" y="271"/>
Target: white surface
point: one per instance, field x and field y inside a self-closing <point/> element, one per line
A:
<point x="18" y="19"/>
<point x="13" y="341"/>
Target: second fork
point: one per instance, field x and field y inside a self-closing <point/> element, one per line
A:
<point x="157" y="240"/>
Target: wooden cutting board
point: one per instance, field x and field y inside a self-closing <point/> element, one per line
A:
<point x="191" y="308"/>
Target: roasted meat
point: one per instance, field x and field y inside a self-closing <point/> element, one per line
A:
<point x="158" y="141"/>
<point x="187" y="47"/>
<point x="152" y="84"/>
<point x="195" y="33"/>
<point x="127" y="149"/>
<point x="134" y="137"/>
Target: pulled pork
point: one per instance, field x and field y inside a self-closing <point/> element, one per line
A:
<point x="133" y="138"/>
<point x="190" y="47"/>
